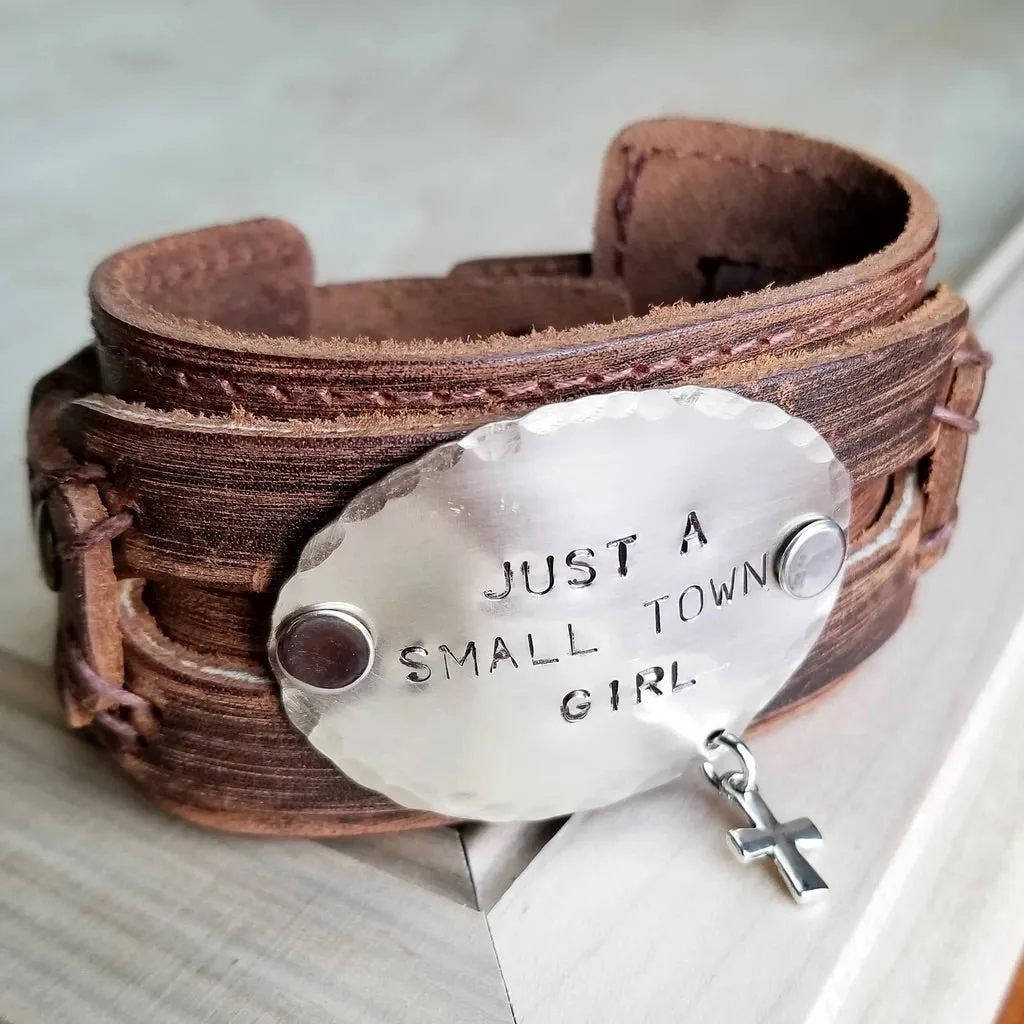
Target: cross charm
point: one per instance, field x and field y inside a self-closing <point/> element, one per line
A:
<point x="766" y="836"/>
<point x="782" y="841"/>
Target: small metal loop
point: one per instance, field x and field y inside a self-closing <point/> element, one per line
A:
<point x="741" y="781"/>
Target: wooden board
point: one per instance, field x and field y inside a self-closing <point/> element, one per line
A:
<point x="912" y="770"/>
<point x="111" y="911"/>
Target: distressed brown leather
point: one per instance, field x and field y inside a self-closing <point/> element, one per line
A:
<point x="229" y="407"/>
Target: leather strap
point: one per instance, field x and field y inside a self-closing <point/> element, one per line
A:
<point x="230" y="406"/>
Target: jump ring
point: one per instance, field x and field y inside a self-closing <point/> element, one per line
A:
<point x="741" y="781"/>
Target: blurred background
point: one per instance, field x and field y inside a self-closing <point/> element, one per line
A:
<point x="403" y="136"/>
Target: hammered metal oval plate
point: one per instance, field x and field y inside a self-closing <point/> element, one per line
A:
<point x="565" y="605"/>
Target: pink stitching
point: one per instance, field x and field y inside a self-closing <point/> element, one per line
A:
<point x="938" y="537"/>
<point x="142" y="721"/>
<point x="952" y="418"/>
<point x="964" y="356"/>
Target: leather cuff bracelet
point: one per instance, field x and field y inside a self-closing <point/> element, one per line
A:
<point x="230" y="408"/>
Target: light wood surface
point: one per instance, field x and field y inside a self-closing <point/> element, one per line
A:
<point x="111" y="911"/>
<point x="912" y="770"/>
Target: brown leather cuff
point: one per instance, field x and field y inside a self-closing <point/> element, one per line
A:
<point x="229" y="407"/>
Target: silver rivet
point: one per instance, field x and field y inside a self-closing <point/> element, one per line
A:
<point x="323" y="646"/>
<point x="811" y="557"/>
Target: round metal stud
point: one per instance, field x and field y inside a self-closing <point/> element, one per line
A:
<point x="46" y="547"/>
<point x="565" y="605"/>
<point x="811" y="557"/>
<point x="323" y="646"/>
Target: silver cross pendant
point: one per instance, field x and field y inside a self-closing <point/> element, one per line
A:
<point x="766" y="836"/>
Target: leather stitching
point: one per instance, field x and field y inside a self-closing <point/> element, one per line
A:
<point x="121" y="717"/>
<point x="241" y="255"/>
<point x="436" y="397"/>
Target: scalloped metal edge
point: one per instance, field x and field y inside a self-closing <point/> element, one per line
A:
<point x="499" y="440"/>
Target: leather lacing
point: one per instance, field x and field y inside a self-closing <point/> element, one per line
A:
<point x="952" y="418"/>
<point x="963" y="356"/>
<point x="973" y="357"/>
<point x="102" y="533"/>
<point x="937" y="539"/>
<point x="969" y="354"/>
<point x="121" y="718"/>
<point x="105" y="532"/>
<point x="45" y="481"/>
<point x="129" y="721"/>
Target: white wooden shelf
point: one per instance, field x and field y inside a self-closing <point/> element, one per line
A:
<point x="110" y="911"/>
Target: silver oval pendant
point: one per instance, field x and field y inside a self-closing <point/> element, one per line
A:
<point x="553" y="612"/>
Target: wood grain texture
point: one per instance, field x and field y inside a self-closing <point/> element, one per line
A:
<point x="956" y="904"/>
<point x="112" y="912"/>
<point x="498" y="853"/>
<point x="913" y="775"/>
